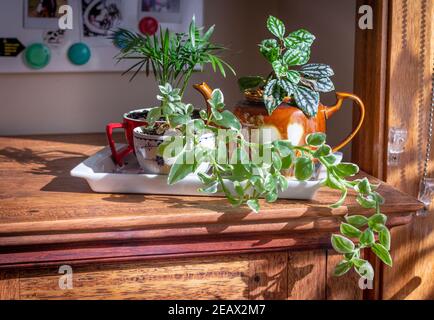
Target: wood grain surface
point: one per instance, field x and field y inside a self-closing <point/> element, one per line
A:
<point x="307" y="275"/>
<point x="204" y="278"/>
<point x="9" y="285"/>
<point x="342" y="288"/>
<point x="46" y="215"/>
<point x="411" y="69"/>
<point x="268" y="276"/>
<point x="398" y="95"/>
<point x="295" y="275"/>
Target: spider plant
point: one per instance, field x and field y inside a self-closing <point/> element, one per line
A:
<point x="172" y="57"/>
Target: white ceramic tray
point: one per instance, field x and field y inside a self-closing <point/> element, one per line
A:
<point x="104" y="176"/>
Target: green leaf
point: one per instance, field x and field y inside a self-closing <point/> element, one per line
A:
<point x="210" y="189"/>
<point x="316" y="139"/>
<point x="287" y="162"/>
<point x="333" y="183"/>
<point x="341" y="200"/>
<point x="284" y="147"/>
<point x="254" y="205"/>
<point x="364" y="269"/>
<point x="317" y="71"/>
<point x="324" y="85"/>
<point x="276" y="27"/>
<point x="153" y="115"/>
<point x="366" y="203"/>
<point x="357" y="221"/>
<point x="217" y="115"/>
<point x="203" y="114"/>
<point x="178" y="119"/>
<point x="378" y="218"/>
<point x="270" y="182"/>
<point x="271" y="197"/>
<point x="350" y="231"/>
<point x="270" y="49"/>
<point x="342" y="268"/>
<point x="287" y="86"/>
<point x="307" y="100"/>
<point x="279" y="69"/>
<point x="367" y="238"/>
<point x="358" y="262"/>
<point x="277" y="161"/>
<point x="293" y="76"/>
<point x="206" y="179"/>
<point x="363" y="187"/>
<point x="192" y="32"/>
<point x="209" y="33"/>
<point x="179" y="171"/>
<point x="330" y="159"/>
<point x="304" y="168"/>
<point x="385" y="238"/>
<point x="238" y="188"/>
<point x="344" y="170"/>
<point x="323" y="151"/>
<point x="283" y="182"/>
<point x="229" y="121"/>
<point x="342" y="244"/>
<point x="382" y="253"/>
<point x="296" y="57"/>
<point x="217" y="99"/>
<point x="271" y="99"/>
<point x="299" y="37"/>
<point x="250" y="82"/>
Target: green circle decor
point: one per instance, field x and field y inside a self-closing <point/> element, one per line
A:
<point x="37" y="56"/>
<point x="79" y="54"/>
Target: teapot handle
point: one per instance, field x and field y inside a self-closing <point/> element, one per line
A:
<point x="206" y="92"/>
<point x="330" y="111"/>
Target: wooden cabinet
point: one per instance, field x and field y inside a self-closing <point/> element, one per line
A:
<point x="277" y="275"/>
<point x="394" y="70"/>
<point x="161" y="247"/>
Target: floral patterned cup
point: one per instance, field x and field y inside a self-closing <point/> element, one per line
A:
<point x="146" y="149"/>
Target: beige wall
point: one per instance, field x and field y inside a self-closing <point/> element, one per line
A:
<point x="70" y="103"/>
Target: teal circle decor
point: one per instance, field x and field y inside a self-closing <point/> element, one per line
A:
<point x="37" y="56"/>
<point x="79" y="54"/>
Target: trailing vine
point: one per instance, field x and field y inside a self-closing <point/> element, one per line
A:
<point x="254" y="170"/>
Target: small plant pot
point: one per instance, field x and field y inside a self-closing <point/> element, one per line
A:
<point x="131" y="120"/>
<point x="146" y="149"/>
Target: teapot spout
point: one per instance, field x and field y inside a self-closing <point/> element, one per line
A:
<point x="206" y="92"/>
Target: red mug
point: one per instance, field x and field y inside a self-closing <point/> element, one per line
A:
<point x="132" y="120"/>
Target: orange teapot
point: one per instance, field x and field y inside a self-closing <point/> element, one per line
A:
<point x="288" y="122"/>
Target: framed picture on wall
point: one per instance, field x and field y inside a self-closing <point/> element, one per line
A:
<point x="99" y="18"/>
<point x="165" y="11"/>
<point x="42" y="14"/>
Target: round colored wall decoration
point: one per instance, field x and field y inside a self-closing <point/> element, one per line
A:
<point x="79" y="54"/>
<point x="148" y="26"/>
<point x="37" y="56"/>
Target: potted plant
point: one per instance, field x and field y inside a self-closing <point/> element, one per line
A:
<point x="165" y="123"/>
<point x="288" y="99"/>
<point x="243" y="180"/>
<point x="172" y="58"/>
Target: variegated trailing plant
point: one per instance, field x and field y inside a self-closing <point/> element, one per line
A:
<point x="292" y="76"/>
<point x="244" y="181"/>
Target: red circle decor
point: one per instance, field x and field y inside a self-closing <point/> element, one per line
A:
<point x="148" y="25"/>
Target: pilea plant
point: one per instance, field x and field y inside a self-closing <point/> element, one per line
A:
<point x="172" y="57"/>
<point x="245" y="173"/>
<point x="291" y="76"/>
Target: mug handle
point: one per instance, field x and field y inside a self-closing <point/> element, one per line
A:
<point x="330" y="111"/>
<point x="117" y="157"/>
